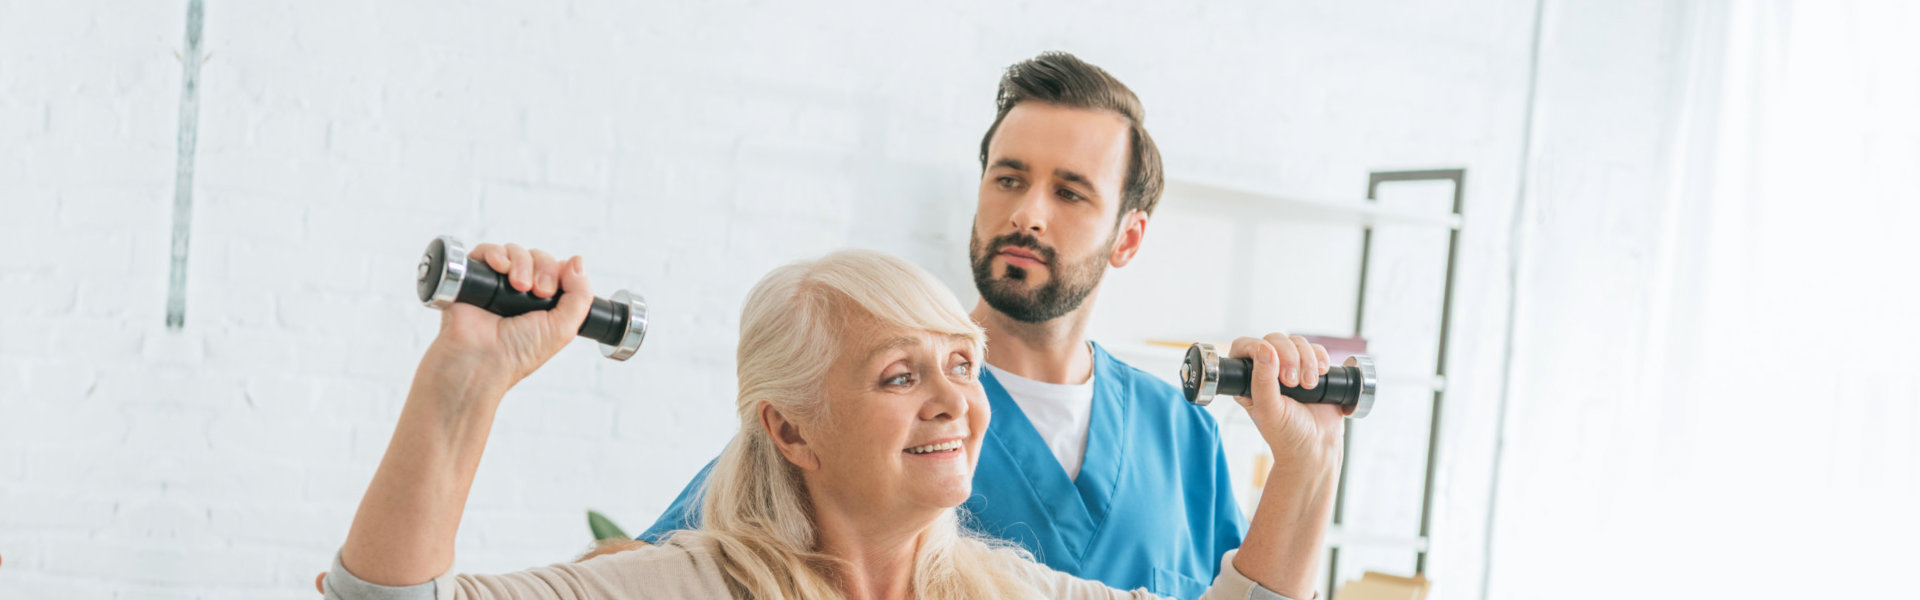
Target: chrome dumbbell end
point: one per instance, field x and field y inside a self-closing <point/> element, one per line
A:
<point x="634" y="307"/>
<point x="1200" y="374"/>
<point x="443" y="267"/>
<point x="1369" y="381"/>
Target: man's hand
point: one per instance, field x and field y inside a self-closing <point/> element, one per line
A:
<point x="1294" y="431"/>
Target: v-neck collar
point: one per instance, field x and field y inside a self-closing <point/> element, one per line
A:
<point x="1077" y="506"/>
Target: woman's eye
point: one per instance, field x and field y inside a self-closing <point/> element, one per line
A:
<point x="963" y="370"/>
<point x="902" y="379"/>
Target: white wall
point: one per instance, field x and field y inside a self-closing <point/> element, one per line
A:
<point x="1713" y="385"/>
<point x="683" y="148"/>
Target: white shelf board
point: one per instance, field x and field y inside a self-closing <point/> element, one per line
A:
<point x="1430" y="382"/>
<point x="1340" y="537"/>
<point x="1240" y="201"/>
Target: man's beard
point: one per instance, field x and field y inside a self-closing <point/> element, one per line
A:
<point x="1069" y="287"/>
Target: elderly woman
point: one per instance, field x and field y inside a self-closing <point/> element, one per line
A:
<point x="860" y="421"/>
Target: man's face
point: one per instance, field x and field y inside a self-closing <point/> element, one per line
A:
<point x="1045" y="229"/>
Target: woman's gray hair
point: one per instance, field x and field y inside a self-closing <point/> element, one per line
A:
<point x="792" y="327"/>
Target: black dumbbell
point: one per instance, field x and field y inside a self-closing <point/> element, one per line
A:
<point x="446" y="276"/>
<point x="1205" y="374"/>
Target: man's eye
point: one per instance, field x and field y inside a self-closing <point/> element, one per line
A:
<point x="1007" y="183"/>
<point x="902" y="379"/>
<point x="963" y="370"/>
<point x="1070" y="195"/>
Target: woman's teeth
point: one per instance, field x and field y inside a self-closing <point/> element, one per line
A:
<point x="930" y="448"/>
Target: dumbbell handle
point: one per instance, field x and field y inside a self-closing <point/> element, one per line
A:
<point x="1206" y="374"/>
<point x="446" y="276"/>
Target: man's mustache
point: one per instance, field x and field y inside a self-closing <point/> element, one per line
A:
<point x="1020" y="240"/>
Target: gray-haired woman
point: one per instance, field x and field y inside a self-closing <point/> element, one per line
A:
<point x="860" y="423"/>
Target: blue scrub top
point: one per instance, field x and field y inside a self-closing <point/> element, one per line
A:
<point x="1152" y="508"/>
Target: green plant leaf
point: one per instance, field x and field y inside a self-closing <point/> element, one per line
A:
<point x="603" y="527"/>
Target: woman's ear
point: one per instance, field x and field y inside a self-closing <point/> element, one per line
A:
<point x="788" y="439"/>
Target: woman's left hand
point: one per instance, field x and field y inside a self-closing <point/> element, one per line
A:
<point x="1299" y="434"/>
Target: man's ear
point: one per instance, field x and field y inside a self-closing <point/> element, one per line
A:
<point x="1126" y="243"/>
<point x="788" y="439"/>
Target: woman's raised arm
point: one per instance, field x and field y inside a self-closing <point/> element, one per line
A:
<point x="404" y="531"/>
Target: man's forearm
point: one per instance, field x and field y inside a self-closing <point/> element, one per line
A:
<point x="1289" y="529"/>
<point x="404" y="531"/>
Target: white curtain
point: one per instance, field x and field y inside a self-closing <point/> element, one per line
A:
<point x="1797" y="299"/>
<point x="1760" y="441"/>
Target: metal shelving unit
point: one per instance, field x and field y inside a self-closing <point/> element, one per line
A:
<point x="1419" y="543"/>
<point x="1368" y="214"/>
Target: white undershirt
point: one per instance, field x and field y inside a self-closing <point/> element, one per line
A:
<point x="1059" y="411"/>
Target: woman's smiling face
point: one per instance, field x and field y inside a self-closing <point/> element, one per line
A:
<point x="905" y="415"/>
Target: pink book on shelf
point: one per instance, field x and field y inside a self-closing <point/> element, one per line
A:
<point x="1339" y="348"/>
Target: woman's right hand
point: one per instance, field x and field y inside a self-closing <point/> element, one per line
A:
<point x="500" y="351"/>
<point x="404" y="531"/>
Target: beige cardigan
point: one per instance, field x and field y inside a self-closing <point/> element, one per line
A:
<point x="691" y="570"/>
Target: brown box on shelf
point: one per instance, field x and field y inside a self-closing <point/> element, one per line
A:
<point x="1381" y="586"/>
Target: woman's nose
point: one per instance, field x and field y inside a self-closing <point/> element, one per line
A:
<point x="949" y="401"/>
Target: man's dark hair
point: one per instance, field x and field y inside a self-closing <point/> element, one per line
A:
<point x="1061" y="79"/>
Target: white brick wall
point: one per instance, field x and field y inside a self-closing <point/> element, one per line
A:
<point x="683" y="148"/>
